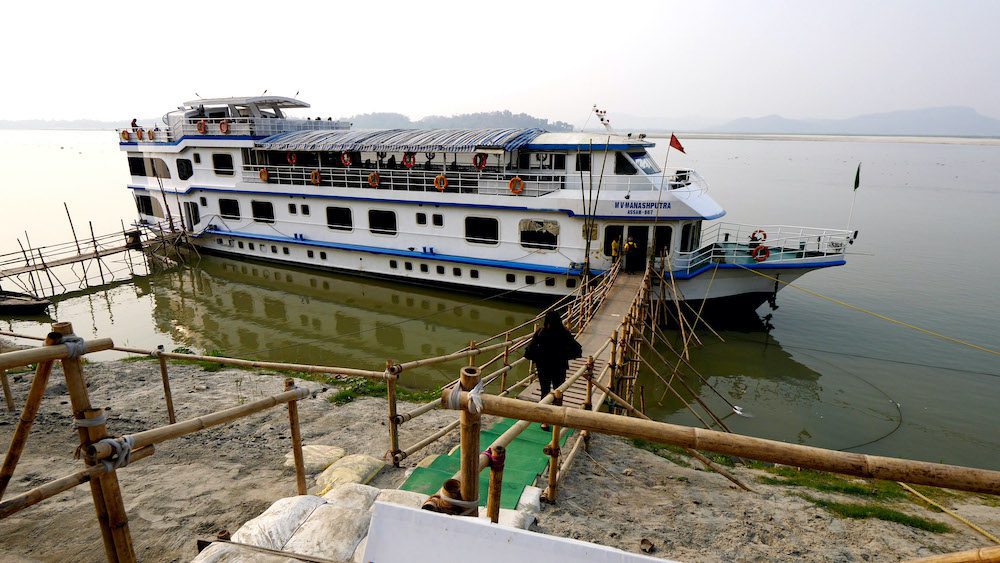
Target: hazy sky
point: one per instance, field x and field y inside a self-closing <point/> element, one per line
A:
<point x="830" y="59"/>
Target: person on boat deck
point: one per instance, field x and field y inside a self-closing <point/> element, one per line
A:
<point x="629" y="250"/>
<point x="551" y="348"/>
<point x="135" y="123"/>
<point x="615" y="247"/>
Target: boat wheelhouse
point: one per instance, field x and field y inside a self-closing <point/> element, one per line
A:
<point x="523" y="211"/>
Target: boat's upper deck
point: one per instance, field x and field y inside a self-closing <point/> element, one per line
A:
<point x="239" y="117"/>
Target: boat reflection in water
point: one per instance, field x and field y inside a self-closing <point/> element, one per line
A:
<point x="798" y="395"/>
<point x="271" y="312"/>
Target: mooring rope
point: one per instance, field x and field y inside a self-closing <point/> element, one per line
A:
<point x="877" y="315"/>
<point x="75" y="346"/>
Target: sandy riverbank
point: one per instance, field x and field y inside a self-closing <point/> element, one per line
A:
<point x="221" y="477"/>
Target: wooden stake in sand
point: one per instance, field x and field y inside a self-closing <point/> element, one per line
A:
<point x="293" y="421"/>
<point x="498" y="456"/>
<point x="7" y="396"/>
<point x="392" y="456"/>
<point x="167" y="395"/>
<point x="552" y="450"/>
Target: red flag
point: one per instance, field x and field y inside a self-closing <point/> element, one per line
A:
<point x="674" y="143"/>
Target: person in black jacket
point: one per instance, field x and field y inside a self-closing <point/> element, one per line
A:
<point x="551" y="348"/>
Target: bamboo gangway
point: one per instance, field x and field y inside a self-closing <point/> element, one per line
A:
<point x="613" y="386"/>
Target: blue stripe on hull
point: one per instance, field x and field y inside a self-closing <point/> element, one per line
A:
<point x="504" y="264"/>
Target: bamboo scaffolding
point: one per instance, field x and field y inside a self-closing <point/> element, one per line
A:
<point x="53" y="488"/>
<point x="108" y="503"/>
<point x="390" y="385"/>
<point x="552" y="450"/>
<point x="185" y="427"/>
<point x="859" y="465"/>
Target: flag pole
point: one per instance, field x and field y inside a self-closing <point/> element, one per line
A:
<point x="854" y="198"/>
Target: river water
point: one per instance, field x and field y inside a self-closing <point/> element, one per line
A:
<point x="822" y="375"/>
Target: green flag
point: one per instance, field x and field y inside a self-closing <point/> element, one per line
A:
<point x="857" y="178"/>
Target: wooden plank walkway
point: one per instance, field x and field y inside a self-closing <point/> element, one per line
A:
<point x="605" y="321"/>
<point x="63" y="261"/>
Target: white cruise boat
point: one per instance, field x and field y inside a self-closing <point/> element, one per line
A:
<point x="523" y="211"/>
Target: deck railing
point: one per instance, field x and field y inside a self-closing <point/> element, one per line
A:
<point x="734" y="243"/>
<point x="227" y="126"/>
<point x="492" y="181"/>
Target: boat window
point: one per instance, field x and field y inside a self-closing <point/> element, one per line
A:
<point x="263" y="211"/>
<point x="197" y="158"/>
<point x="523" y="160"/>
<point x="482" y="230"/>
<point x="438" y="220"/>
<point x="582" y="162"/>
<point x="304" y="209"/>
<point x="339" y="218"/>
<point x="184" y="168"/>
<point x="145" y="204"/>
<point x="382" y="222"/>
<point x="623" y="166"/>
<point x="203" y="201"/>
<point x="424" y="269"/>
<point x="439" y="269"/>
<point x="152" y="167"/>
<point x="530" y="280"/>
<point x="690" y="236"/>
<point x="611" y="234"/>
<point x="421" y="218"/>
<point x="194" y="215"/>
<point x="292" y="209"/>
<point x="571" y="283"/>
<point x="661" y="239"/>
<point x="511" y="278"/>
<point x="645" y="162"/>
<point x="536" y="233"/>
<point x="229" y="208"/>
<point x="550" y="282"/>
<point x="474" y="274"/>
<point x="223" y="164"/>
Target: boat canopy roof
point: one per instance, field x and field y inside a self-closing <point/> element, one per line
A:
<point x="402" y="140"/>
<point x="265" y="101"/>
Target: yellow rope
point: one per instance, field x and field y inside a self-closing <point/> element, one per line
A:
<point x="988" y="535"/>
<point x="877" y="315"/>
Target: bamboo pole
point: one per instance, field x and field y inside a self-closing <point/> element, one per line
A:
<point x="185" y="427"/>
<point x="587" y="402"/>
<point x="552" y="450"/>
<point x="859" y="465"/>
<point x="990" y="554"/>
<point x="8" y="396"/>
<point x="53" y="488"/>
<point x="108" y="503"/>
<point x="97" y="256"/>
<point x="31" y="405"/>
<point x="951" y="513"/>
<point x="167" y="395"/>
<point x="390" y="385"/>
<point x="498" y="457"/>
<point x="471" y="424"/>
<point x="49" y="353"/>
<point x="293" y="422"/>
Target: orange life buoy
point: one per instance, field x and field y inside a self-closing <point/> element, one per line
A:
<point x="151" y="134"/>
<point x="125" y="135"/>
<point x="315" y="177"/>
<point x="264" y="174"/>
<point x="763" y="235"/>
<point x="440" y="182"/>
<point x="760" y="253"/>
<point x="138" y="134"/>
<point x="291" y="157"/>
<point x="516" y="185"/>
<point x="479" y="161"/>
<point x="224" y="126"/>
<point x="409" y="160"/>
<point x="202" y="126"/>
<point x="345" y="159"/>
<point x="374" y="179"/>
